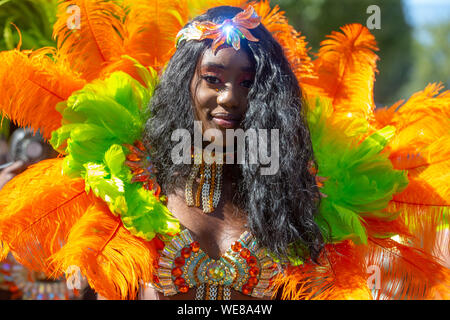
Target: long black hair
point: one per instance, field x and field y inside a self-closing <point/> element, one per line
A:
<point x="280" y="208"/>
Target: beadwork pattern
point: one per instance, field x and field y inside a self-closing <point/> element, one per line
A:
<point x="209" y="188"/>
<point x="245" y="267"/>
<point x="138" y="160"/>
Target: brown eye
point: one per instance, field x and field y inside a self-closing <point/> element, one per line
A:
<point x="211" y="79"/>
<point x="247" y="83"/>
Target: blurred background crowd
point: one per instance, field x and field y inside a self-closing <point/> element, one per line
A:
<point x="414" y="42"/>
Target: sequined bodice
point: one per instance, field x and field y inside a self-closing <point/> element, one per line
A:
<point x="245" y="267"/>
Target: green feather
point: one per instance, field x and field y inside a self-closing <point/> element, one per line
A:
<point x="147" y="215"/>
<point x="361" y="179"/>
<point x="98" y="121"/>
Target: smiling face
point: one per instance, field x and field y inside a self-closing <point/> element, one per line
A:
<point x="219" y="88"/>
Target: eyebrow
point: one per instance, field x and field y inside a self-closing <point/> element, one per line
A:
<point x="223" y="67"/>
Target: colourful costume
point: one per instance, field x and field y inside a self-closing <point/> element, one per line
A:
<point x="383" y="173"/>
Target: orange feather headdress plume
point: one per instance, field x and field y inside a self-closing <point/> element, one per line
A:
<point x="230" y="31"/>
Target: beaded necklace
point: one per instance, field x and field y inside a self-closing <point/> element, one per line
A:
<point x="245" y="267"/>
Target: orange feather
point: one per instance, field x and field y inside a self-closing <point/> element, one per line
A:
<point x="412" y="266"/>
<point x="151" y="30"/>
<point x="422" y="123"/>
<point x="345" y="70"/>
<point x="406" y="271"/>
<point x="427" y="225"/>
<point x="341" y="275"/>
<point x="29" y="97"/>
<point x="125" y="64"/>
<point x="97" y="39"/>
<point x="428" y="186"/>
<point x="417" y="253"/>
<point x="4" y="250"/>
<point x="293" y="43"/>
<point x="382" y="269"/>
<point x="37" y="210"/>
<point x="422" y="146"/>
<point x="114" y="262"/>
<point x="422" y="102"/>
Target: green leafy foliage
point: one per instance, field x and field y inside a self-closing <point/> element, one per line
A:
<point x="34" y="18"/>
<point x="431" y="61"/>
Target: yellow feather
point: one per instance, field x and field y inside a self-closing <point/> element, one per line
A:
<point x="421" y="145"/>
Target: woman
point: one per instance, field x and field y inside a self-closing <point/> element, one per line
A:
<point x="253" y="87"/>
<point x="229" y="231"/>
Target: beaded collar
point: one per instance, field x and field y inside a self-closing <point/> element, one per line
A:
<point x="245" y="267"/>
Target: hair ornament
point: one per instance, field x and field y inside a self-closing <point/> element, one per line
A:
<point x="231" y="31"/>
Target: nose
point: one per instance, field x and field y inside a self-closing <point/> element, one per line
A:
<point x="228" y="97"/>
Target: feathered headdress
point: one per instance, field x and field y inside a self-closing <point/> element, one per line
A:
<point x="229" y="32"/>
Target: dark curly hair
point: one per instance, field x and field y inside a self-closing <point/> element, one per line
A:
<point x="280" y="208"/>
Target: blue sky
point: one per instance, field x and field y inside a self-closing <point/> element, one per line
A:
<point x="423" y="12"/>
<point x="420" y="12"/>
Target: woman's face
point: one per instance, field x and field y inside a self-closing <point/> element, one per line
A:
<point x="219" y="88"/>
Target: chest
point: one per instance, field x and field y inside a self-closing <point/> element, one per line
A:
<point x="214" y="257"/>
<point x="215" y="232"/>
<point x="185" y="268"/>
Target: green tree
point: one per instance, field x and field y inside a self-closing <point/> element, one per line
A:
<point x="34" y="18"/>
<point x="430" y="58"/>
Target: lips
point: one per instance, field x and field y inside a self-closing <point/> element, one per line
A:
<point x="226" y="120"/>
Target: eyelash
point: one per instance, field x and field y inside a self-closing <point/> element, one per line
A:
<point x="250" y="83"/>
<point x="212" y="79"/>
<point x="208" y="78"/>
